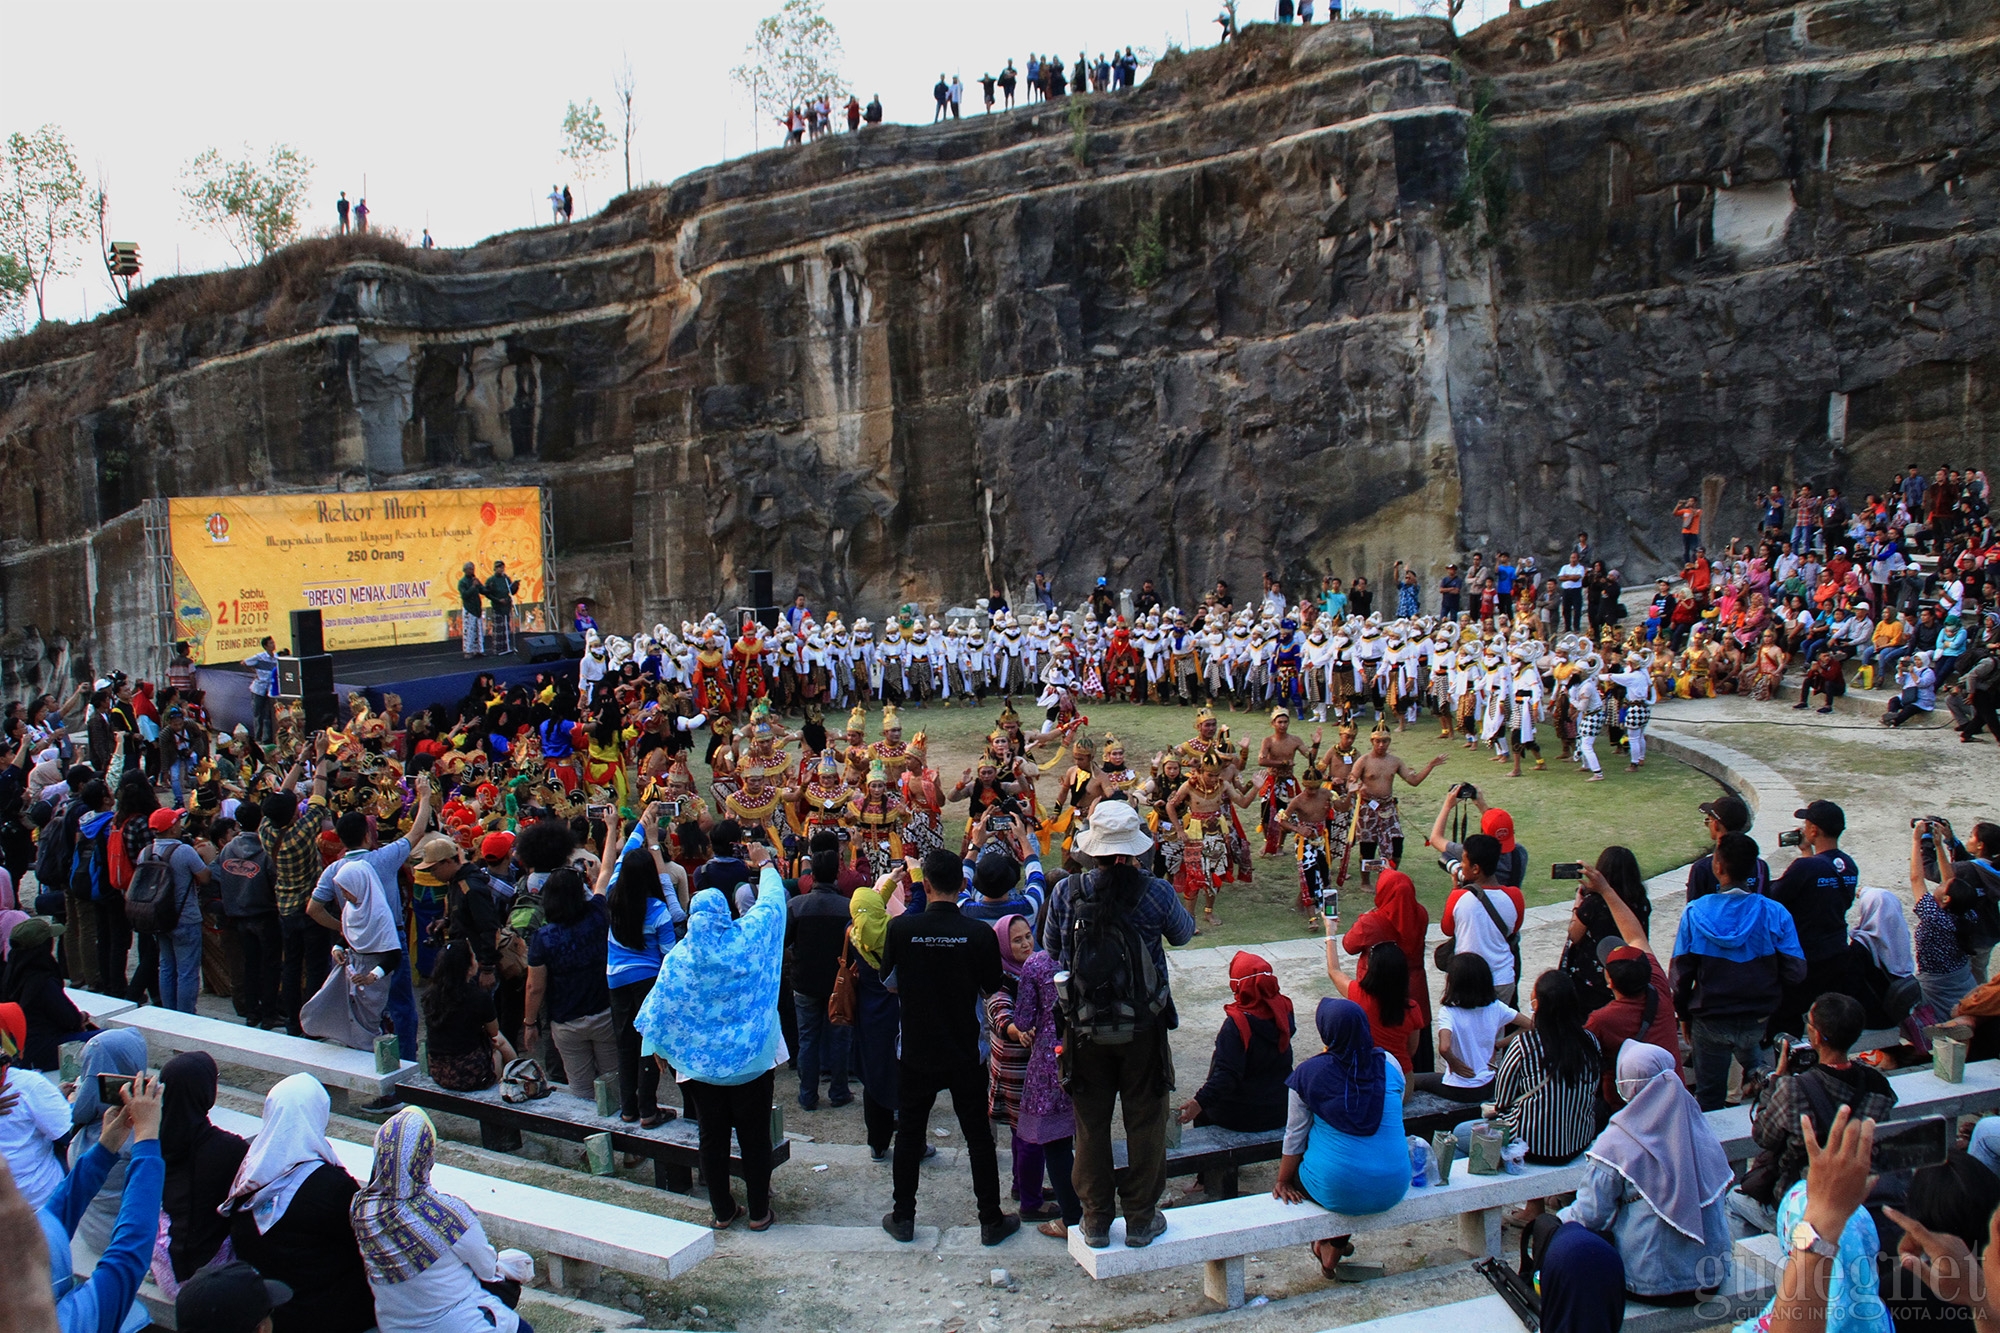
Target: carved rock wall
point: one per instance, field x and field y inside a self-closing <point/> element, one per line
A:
<point x="1312" y="302"/>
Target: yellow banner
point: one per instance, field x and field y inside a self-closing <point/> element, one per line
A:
<point x="382" y="567"/>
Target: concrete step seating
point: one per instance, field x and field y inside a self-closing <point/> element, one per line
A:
<point x="674" y="1147"/>
<point x="564" y="1232"/>
<point x="253" y="1048"/>
<point x="1220" y="1235"/>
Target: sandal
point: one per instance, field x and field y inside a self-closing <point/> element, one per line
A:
<point x="764" y="1223"/>
<point x="1054" y="1228"/>
<point x="657" y="1118"/>
<point x="724" y="1223"/>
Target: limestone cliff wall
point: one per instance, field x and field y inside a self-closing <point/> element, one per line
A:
<point x="1314" y="302"/>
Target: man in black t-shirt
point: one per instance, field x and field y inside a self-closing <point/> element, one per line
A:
<point x="944" y="962"/>
<point x="1817" y="889"/>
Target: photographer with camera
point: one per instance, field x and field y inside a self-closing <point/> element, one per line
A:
<point x="1489" y="925"/>
<point x="1003" y="847"/>
<point x="1814" y="1077"/>
<point x="1958" y="922"/>
<point x="1817" y="889"/>
<point x="1512" y="871"/>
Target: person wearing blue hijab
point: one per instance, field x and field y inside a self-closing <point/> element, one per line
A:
<point x="118" y="1051"/>
<point x="1583" y="1282"/>
<point x="1344" y="1147"/>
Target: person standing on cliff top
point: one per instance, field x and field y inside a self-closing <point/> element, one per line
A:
<point x="986" y="82"/>
<point x="874" y="113"/>
<point x="341" y="208"/>
<point x="555" y="204"/>
<point x="1007" y="82"/>
<point x="361" y="216"/>
<point x="853" y="113"/>
<point x="569" y="205"/>
<point x="957" y="95"/>
<point x="941" y="94"/>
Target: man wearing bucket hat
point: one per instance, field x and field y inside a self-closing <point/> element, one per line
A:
<point x="1119" y="1018"/>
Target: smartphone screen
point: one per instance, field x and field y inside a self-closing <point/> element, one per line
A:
<point x="1904" y="1145"/>
<point x="108" y="1086"/>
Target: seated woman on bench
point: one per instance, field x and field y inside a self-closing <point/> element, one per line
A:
<point x="1253" y="1054"/>
<point x="1344" y="1147"/>
<point x="1471" y="1018"/>
<point x="1658" y="1176"/>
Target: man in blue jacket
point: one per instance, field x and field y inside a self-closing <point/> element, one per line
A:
<point x="1734" y="955"/>
<point x="105" y="1301"/>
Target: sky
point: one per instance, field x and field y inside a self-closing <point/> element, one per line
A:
<point x="446" y="114"/>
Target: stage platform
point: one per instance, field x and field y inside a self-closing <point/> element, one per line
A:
<point x="419" y="674"/>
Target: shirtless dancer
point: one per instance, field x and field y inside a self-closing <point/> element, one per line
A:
<point x="1321" y="816"/>
<point x="1374" y="779"/>
<point x="1275" y="757"/>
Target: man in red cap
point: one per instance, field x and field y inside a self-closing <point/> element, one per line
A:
<point x="1494" y="823"/>
<point x="1642" y="999"/>
<point x="496" y="849"/>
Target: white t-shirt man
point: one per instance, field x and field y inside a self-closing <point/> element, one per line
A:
<point x="1570" y="577"/>
<point x="1474" y="931"/>
<point x="1473" y="1032"/>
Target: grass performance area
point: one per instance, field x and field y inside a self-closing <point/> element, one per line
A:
<point x="1557" y="815"/>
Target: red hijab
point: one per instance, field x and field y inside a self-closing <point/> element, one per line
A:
<point x="1255" y="987"/>
<point x="1397" y="917"/>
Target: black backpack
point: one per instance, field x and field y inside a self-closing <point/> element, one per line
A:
<point x="151" y="906"/>
<point x="1113" y="989"/>
<point x="86" y="865"/>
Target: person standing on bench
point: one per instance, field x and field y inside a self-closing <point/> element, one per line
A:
<point x="356" y="831"/>
<point x="944" y="962"/>
<point x="713" y="1017"/>
<point x="1113" y="911"/>
<point x="1344" y="1148"/>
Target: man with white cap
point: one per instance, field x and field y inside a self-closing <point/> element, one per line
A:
<point x="1116" y="1049"/>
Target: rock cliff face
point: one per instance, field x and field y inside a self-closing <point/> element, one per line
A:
<point x="1314" y="302"/>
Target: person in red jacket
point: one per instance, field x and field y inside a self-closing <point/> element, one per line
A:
<point x="1398" y="918"/>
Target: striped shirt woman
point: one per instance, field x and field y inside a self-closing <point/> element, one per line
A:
<point x="1546" y="1086"/>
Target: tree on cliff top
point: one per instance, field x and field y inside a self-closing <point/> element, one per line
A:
<point x="43" y="217"/>
<point x="253" y="206"/>
<point x="585" y="140"/>
<point x="794" y="58"/>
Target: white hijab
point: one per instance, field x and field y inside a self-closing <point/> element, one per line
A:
<point x="1881" y="926"/>
<point x="290" y="1147"/>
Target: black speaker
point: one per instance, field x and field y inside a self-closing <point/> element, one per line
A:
<point x="302" y="677"/>
<point x="760" y="588"/>
<point x="767" y="616"/>
<point x="572" y="645"/>
<point x="320" y="710"/>
<point x="308" y="637"/>
<point x="542" y="647"/>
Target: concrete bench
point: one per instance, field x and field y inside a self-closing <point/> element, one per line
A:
<point x="567" y="1229"/>
<point x="1763" y="1256"/>
<point x="1215" y="1153"/>
<point x="97" y="1007"/>
<point x="675" y="1147"/>
<point x="1220" y="1235"/>
<point x="254" y="1048"/>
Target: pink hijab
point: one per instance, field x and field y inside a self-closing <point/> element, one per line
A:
<point x="10" y="914"/>
<point x="1002" y="929"/>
